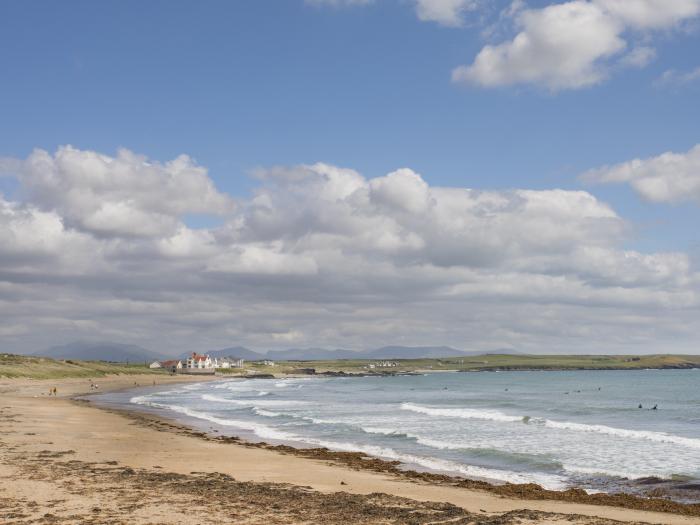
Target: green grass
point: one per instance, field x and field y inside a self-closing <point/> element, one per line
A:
<point x="43" y="368"/>
<point x="13" y="366"/>
<point x="503" y="362"/>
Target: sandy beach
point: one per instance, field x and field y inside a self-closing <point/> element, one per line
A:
<point x="66" y="461"/>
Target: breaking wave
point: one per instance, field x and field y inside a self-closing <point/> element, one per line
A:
<point x="494" y="415"/>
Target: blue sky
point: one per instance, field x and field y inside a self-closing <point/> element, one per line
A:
<point x="255" y="84"/>
<point x="238" y="85"/>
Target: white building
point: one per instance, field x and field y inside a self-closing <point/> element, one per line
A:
<point x="227" y="362"/>
<point x="199" y="361"/>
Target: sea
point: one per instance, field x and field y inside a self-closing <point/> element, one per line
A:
<point x="558" y="429"/>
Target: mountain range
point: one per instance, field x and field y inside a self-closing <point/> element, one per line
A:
<point x="107" y="351"/>
<point x="317" y="354"/>
<point x="100" y="351"/>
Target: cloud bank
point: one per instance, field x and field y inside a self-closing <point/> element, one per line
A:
<point x="99" y="246"/>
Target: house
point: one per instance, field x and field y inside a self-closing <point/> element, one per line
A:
<point x="155" y="364"/>
<point x="267" y="362"/>
<point x="199" y="361"/>
<point x="172" y="365"/>
<point x="231" y="362"/>
<point x="382" y="364"/>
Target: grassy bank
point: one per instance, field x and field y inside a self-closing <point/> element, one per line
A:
<point x="495" y="362"/>
<point x="15" y="366"/>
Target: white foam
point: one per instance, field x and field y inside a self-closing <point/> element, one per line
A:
<point x="421" y="440"/>
<point x="648" y="435"/>
<point x="266" y="432"/>
<point x="549" y="481"/>
<point x="266" y="413"/>
<point x="494" y="415"/>
<point x="599" y="471"/>
<point x="384" y="431"/>
<point x="464" y="413"/>
<point x="439" y="444"/>
<point x="258" y="429"/>
<point x="253" y="402"/>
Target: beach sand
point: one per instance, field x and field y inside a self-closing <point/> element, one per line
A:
<point x="64" y="461"/>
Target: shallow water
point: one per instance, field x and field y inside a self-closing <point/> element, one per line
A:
<point x="558" y="429"/>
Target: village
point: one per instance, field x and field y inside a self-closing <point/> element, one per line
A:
<point x="202" y="364"/>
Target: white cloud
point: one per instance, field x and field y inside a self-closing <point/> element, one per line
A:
<point x="322" y="256"/>
<point x="674" y="78"/>
<point x="445" y="12"/>
<point x="639" y="57"/>
<point x="669" y="177"/>
<point x="338" y="3"/>
<point x="559" y="46"/>
<point x="572" y="45"/>
<point x="651" y="14"/>
<point x="123" y="195"/>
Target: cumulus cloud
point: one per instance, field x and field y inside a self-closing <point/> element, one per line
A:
<point x="445" y="12"/>
<point x="650" y="14"/>
<point x="321" y="255"/>
<point x="572" y="45"/>
<point x="123" y="195"/>
<point x="669" y="177"/>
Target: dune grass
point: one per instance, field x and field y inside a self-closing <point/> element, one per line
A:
<point x="16" y="366"/>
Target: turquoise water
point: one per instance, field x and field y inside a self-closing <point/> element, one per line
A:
<point x="557" y="429"/>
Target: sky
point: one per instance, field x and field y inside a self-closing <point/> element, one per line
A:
<point x="351" y="173"/>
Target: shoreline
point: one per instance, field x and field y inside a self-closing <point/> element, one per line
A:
<point x="677" y="489"/>
<point x="360" y="461"/>
<point x="152" y="446"/>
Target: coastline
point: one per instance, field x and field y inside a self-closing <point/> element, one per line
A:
<point x="153" y="444"/>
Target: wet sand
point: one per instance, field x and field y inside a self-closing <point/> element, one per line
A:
<point x="65" y="461"/>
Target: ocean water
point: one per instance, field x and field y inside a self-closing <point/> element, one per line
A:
<point x="558" y="429"/>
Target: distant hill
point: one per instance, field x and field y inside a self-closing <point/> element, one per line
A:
<point x="234" y="351"/>
<point x="100" y="351"/>
<point x="322" y="354"/>
<point x="309" y="354"/>
<point x="387" y="352"/>
<point x="414" y="352"/>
